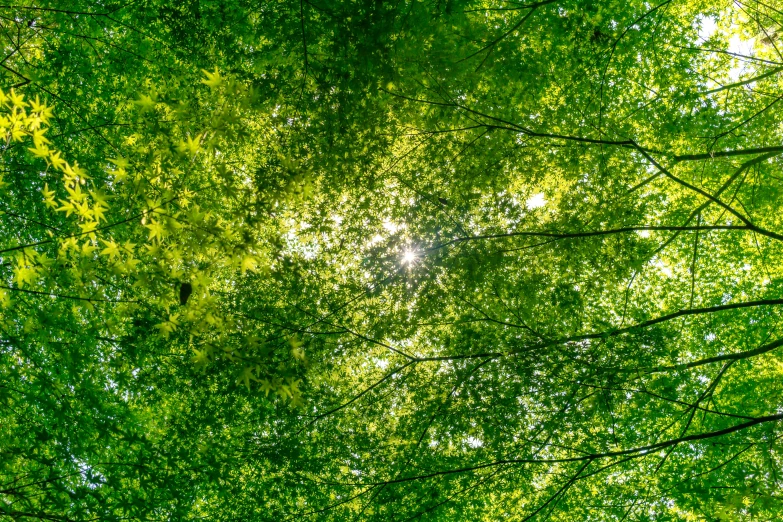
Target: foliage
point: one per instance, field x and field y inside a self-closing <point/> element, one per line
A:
<point x="361" y="260"/>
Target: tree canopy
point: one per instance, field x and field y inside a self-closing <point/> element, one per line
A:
<point x="413" y="260"/>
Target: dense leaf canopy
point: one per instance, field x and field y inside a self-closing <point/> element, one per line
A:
<point x="414" y="260"/>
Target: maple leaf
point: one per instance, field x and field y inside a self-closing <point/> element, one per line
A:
<point x="191" y="146"/>
<point x="40" y="151"/>
<point x="213" y="80"/>
<point x="246" y="376"/>
<point x="48" y="196"/>
<point x="248" y="263"/>
<point x="18" y="133"/>
<point x="56" y="161"/>
<point x="165" y="328"/>
<point x="87" y="249"/>
<point x="88" y="227"/>
<point x="130" y="264"/>
<point x="267" y="386"/>
<point x="201" y="279"/>
<point x="298" y="354"/>
<point x="70" y="244"/>
<point x="296" y="348"/>
<point x="156" y="230"/>
<point x="44" y="260"/>
<point x="200" y="359"/>
<point x="98" y="212"/>
<point x="120" y="175"/>
<point x="24" y="275"/>
<point x="41" y="109"/>
<point x="146" y="102"/>
<point x="75" y="172"/>
<point x="99" y="196"/>
<point x="76" y="192"/>
<point x="17" y="99"/>
<point x="293" y="384"/>
<point x="112" y="249"/>
<point x="120" y="162"/>
<point x="283" y="391"/>
<point x="66" y="207"/>
<point x="39" y="137"/>
<point x="83" y="209"/>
